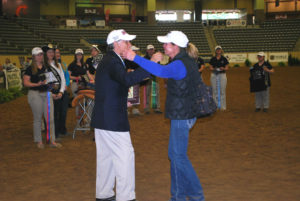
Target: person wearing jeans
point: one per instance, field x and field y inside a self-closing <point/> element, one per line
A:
<point x="182" y="73"/>
<point x="185" y="180"/>
<point x="218" y="66"/>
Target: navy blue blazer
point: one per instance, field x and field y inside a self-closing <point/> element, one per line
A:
<point x="112" y="84"/>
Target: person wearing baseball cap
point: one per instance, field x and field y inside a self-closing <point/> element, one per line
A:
<point x="218" y="66"/>
<point x="115" y="153"/>
<point x="151" y="87"/>
<point x="58" y="87"/>
<point x="35" y="79"/>
<point x="93" y="61"/>
<point x="260" y="82"/>
<point x="183" y="76"/>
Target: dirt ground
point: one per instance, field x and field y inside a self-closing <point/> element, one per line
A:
<point x="239" y="155"/>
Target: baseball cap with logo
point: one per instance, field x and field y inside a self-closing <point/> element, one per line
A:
<point x="176" y="37"/>
<point x="36" y="51"/>
<point x="150" y="47"/>
<point x="218" y="47"/>
<point x="117" y="35"/>
<point x="135" y="48"/>
<point x="262" y="54"/>
<point x="78" y="51"/>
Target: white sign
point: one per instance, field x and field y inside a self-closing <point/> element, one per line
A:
<point x="278" y="57"/>
<point x="236" y="58"/>
<point x="13" y="78"/>
<point x="236" y="23"/>
<point x="71" y="23"/>
<point x="100" y="23"/>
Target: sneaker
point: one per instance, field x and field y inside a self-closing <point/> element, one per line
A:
<point x="55" y="145"/>
<point x="158" y="111"/>
<point x="265" y="110"/>
<point x="40" y="145"/>
<point x="257" y="109"/>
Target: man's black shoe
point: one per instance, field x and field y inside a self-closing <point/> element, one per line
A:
<point x="113" y="198"/>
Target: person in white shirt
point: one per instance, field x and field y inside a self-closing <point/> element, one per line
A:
<point x="58" y="86"/>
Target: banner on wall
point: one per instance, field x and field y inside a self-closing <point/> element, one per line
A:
<point x="278" y="57"/>
<point x="100" y="23"/>
<point x="13" y="78"/>
<point x="71" y="23"/>
<point x="236" y="23"/>
<point x="236" y="58"/>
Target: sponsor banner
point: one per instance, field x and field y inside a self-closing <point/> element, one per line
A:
<point x="71" y="23"/>
<point x="236" y="58"/>
<point x="134" y="95"/>
<point x="13" y="78"/>
<point x="278" y="57"/>
<point x="236" y="23"/>
<point x="100" y="23"/>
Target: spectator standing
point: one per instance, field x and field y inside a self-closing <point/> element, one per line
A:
<point x="77" y="71"/>
<point x="194" y="53"/>
<point x="131" y="66"/>
<point x="64" y="101"/>
<point x="59" y="88"/>
<point x="151" y="89"/>
<point x="261" y="82"/>
<point x="218" y="66"/>
<point x="93" y="62"/>
<point x="34" y="78"/>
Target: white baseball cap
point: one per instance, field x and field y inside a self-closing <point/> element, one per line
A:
<point x="218" y="47"/>
<point x="176" y="37"/>
<point x="134" y="48"/>
<point x="119" y="34"/>
<point x="262" y="54"/>
<point x="150" y="47"/>
<point x="36" y="51"/>
<point x="78" y="51"/>
<point x="96" y="48"/>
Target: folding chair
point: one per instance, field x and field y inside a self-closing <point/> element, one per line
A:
<point x="85" y="101"/>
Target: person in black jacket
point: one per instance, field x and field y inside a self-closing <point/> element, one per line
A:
<point x="115" y="154"/>
<point x="261" y="82"/>
<point x="182" y="74"/>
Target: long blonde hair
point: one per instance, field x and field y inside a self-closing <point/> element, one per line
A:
<point x="34" y="66"/>
<point x="192" y="51"/>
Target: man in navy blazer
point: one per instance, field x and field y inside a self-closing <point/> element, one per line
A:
<point x="115" y="154"/>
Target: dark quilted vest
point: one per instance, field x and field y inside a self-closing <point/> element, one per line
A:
<point x="180" y="96"/>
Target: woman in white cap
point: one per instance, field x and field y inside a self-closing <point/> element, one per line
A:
<point x="92" y="62"/>
<point x="77" y="71"/>
<point x="182" y="74"/>
<point x="260" y="82"/>
<point x="35" y="79"/>
<point x="218" y="66"/>
<point x="58" y="86"/>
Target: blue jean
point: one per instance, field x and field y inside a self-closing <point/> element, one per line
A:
<point x="184" y="180"/>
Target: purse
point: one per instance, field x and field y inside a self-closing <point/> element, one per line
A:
<point x="204" y="104"/>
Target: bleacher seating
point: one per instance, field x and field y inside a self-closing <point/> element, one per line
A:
<point x="19" y="35"/>
<point x="280" y="35"/>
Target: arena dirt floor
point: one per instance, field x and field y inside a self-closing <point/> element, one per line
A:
<point x="239" y="155"/>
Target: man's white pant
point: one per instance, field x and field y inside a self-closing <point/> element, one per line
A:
<point x="115" y="162"/>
